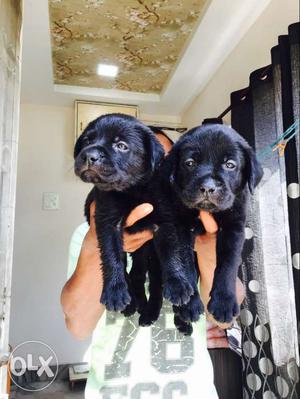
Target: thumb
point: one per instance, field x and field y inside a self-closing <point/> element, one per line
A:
<point x="138" y="213"/>
<point x="208" y="221"/>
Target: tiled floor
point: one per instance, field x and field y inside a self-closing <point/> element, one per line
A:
<point x="57" y="390"/>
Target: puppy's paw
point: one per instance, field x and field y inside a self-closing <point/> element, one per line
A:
<point x="177" y="290"/>
<point x="130" y="309"/>
<point x="223" y="306"/>
<point x="182" y="326"/>
<point x="192" y="311"/>
<point x="115" y="296"/>
<point x="146" y="320"/>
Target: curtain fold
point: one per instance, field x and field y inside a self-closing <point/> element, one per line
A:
<point x="294" y="42"/>
<point x="270" y="269"/>
<point x="292" y="179"/>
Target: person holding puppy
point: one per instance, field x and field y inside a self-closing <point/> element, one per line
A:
<point x="128" y="360"/>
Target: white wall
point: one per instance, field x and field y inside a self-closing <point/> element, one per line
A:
<point x="45" y="164"/>
<point x="42" y="237"/>
<point x="251" y="53"/>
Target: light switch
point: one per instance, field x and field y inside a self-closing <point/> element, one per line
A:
<point x="50" y="201"/>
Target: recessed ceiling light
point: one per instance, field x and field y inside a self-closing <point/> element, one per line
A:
<point x="107" y="70"/>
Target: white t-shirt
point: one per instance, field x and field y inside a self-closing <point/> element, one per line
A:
<point x="156" y="362"/>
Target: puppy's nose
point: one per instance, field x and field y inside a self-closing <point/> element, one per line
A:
<point x="91" y="156"/>
<point x="208" y="187"/>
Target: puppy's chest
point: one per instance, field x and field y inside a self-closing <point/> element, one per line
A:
<point x="190" y="220"/>
<point x="116" y="206"/>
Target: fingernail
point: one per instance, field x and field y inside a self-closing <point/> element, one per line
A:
<point x="148" y="208"/>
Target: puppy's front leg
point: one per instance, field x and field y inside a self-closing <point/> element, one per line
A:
<point x="176" y="287"/>
<point x="191" y="311"/>
<point x="115" y="295"/>
<point x="223" y="303"/>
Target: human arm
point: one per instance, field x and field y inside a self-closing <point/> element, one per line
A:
<point x="80" y="295"/>
<point x="205" y="246"/>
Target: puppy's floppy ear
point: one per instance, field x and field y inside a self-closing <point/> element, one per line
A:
<point x="173" y="167"/>
<point x="170" y="165"/>
<point x="78" y="146"/>
<point x="79" y="143"/>
<point x="253" y="170"/>
<point x="154" y="149"/>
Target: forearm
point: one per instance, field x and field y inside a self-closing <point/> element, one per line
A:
<point x="81" y="294"/>
<point x="207" y="268"/>
<point x="80" y="297"/>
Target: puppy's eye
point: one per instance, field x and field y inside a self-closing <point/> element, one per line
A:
<point x="86" y="140"/>
<point x="190" y="163"/>
<point x="230" y="164"/>
<point x="121" y="146"/>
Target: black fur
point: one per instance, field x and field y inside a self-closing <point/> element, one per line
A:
<point x="120" y="156"/>
<point x="200" y="176"/>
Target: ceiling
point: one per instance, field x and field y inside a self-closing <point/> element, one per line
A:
<point x="143" y="38"/>
<point x="162" y="90"/>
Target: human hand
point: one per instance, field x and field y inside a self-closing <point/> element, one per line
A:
<point x="216" y="337"/>
<point x="205" y="244"/>
<point x="132" y="242"/>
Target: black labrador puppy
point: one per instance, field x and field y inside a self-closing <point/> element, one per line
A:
<point x="121" y="156"/>
<point x="211" y="168"/>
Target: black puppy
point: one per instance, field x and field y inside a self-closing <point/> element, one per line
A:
<point x="120" y="156"/>
<point x="211" y="168"/>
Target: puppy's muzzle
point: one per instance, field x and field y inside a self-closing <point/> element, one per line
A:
<point x="209" y="188"/>
<point x="92" y="157"/>
<point x="90" y="165"/>
<point x="210" y="194"/>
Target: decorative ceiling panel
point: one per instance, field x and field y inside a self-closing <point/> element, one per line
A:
<point x="143" y="38"/>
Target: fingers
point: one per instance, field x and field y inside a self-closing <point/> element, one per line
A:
<point x="215" y="332"/>
<point x="208" y="221"/>
<point x="216" y="337"/>
<point x="132" y="242"/>
<point x="138" y="213"/>
<point x="223" y="326"/>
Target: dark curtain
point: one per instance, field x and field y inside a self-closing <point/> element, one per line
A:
<point x="270" y="269"/>
<point x="293" y="62"/>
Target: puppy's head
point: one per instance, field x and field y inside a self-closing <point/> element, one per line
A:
<point x="116" y="152"/>
<point x="210" y="165"/>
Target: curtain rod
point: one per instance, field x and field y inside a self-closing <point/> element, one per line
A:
<point x="244" y="92"/>
<point x="229" y="108"/>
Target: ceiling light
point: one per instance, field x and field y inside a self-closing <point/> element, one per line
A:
<point x="107" y="70"/>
